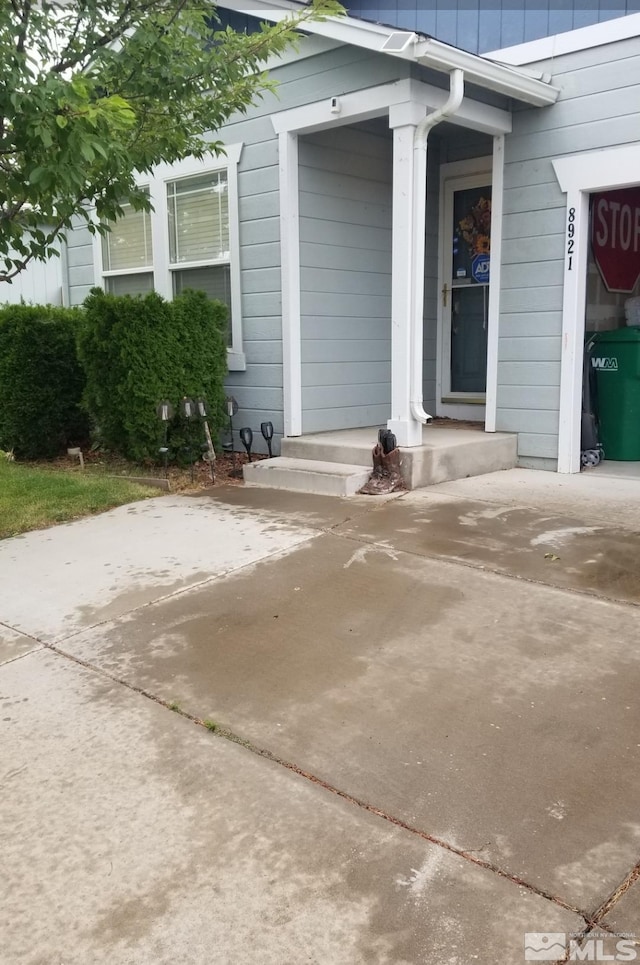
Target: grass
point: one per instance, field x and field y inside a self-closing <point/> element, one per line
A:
<point x="35" y="498"/>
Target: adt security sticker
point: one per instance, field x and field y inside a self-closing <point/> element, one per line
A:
<point x="480" y="266"/>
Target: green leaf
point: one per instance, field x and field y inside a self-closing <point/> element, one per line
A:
<point x="153" y="96"/>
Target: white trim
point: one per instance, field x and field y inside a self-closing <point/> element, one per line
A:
<point x="290" y="275"/>
<point x="190" y="166"/>
<point x="569" y="42"/>
<point x="162" y="281"/>
<point x="426" y="51"/>
<point x="236" y="360"/>
<point x="114" y="273"/>
<point x="377" y="101"/>
<point x="579" y="175"/>
<point x="614" y="167"/>
<point x="161" y="267"/>
<point x="469" y="173"/>
<point x="493" y="318"/>
<point x="407" y="430"/>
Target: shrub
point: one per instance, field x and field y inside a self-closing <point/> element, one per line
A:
<point x="138" y="351"/>
<point x="41" y="380"/>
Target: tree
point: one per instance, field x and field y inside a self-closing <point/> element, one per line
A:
<point x="94" y="90"/>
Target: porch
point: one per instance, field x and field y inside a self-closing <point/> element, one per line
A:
<point x="339" y="463"/>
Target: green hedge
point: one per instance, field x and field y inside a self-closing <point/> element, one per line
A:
<point x="138" y="351"/>
<point x="41" y="381"/>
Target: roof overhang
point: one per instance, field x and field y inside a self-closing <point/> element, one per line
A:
<point x="413" y="47"/>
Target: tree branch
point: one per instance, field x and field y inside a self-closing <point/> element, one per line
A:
<point x="94" y="43"/>
<point x="24" y="21"/>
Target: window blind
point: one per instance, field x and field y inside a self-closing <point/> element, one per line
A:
<point x="138" y="284"/>
<point x="128" y="244"/>
<point x="198" y="219"/>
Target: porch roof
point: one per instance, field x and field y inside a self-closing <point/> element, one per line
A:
<point x="528" y="87"/>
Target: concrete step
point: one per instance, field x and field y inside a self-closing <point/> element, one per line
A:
<point x="446" y="453"/>
<point x="348" y="447"/>
<point x="306" y="475"/>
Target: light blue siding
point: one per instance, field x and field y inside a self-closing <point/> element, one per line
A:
<point x="598" y="108"/>
<point x="482" y="25"/>
<point x="345" y="202"/>
<point x="329" y="293"/>
<point x="80" y="271"/>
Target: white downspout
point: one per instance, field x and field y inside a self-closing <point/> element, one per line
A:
<point x="456" y="93"/>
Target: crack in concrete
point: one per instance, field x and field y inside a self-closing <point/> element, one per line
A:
<point x="265" y="753"/>
<point x="486" y="568"/>
<point x="20" y="656"/>
<point x="593" y="928"/>
<point x="592" y="920"/>
<point x="617" y="893"/>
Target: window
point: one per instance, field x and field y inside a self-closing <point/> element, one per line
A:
<point x="127" y="254"/>
<point x="199" y="249"/>
<point x="190" y="239"/>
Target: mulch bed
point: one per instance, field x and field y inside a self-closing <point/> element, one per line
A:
<point x="181" y="479"/>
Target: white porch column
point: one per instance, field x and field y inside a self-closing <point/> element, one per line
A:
<point x="403" y="119"/>
<point x="290" y="274"/>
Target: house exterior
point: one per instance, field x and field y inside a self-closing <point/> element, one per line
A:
<point x="403" y="230"/>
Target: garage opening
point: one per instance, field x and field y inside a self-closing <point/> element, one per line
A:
<point x="611" y="391"/>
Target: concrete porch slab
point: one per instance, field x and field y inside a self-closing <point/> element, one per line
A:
<point x="445" y="454"/>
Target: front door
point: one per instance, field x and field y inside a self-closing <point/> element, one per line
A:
<point x="464" y="295"/>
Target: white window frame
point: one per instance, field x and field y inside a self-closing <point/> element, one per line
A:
<point x="162" y="268"/>
<point x="121" y="272"/>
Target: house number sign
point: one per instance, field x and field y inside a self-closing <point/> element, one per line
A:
<point x="571" y="230"/>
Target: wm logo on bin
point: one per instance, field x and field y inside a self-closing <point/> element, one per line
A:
<point x="605" y="365"/>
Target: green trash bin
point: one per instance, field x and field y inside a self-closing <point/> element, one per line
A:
<point x="616" y="360"/>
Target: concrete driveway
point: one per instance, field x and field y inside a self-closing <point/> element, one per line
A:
<point x="261" y="727"/>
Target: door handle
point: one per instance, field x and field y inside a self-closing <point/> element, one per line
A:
<point x="445" y="292"/>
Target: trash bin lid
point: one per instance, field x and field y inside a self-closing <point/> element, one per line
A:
<point x="626" y="334"/>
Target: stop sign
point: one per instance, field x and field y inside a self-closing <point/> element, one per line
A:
<point x="615" y="237"/>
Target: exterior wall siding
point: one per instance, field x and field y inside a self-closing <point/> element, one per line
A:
<point x="534" y="215"/>
<point x="40" y="283"/>
<point x="80" y="270"/>
<point x="258" y="390"/>
<point x="345" y="272"/>
<point x="480" y="27"/>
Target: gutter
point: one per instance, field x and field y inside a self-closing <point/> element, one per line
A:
<point x="416" y="321"/>
<point x="411" y="47"/>
<point x="486" y="73"/>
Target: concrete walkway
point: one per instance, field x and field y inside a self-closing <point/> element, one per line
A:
<point x="263" y="727"/>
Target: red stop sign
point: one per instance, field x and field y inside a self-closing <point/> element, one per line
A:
<point x="615" y="237"/>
